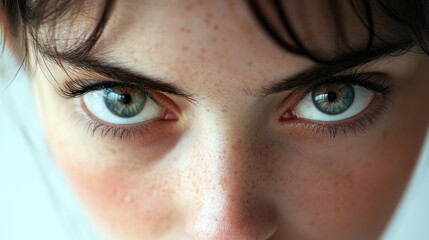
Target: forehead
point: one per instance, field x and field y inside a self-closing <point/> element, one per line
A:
<point x="190" y="41"/>
<point x="216" y="42"/>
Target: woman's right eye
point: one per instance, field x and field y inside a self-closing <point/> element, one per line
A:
<point x="123" y="105"/>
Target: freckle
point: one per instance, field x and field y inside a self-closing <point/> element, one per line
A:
<point x="236" y="145"/>
<point x="385" y="133"/>
<point x="214" y="39"/>
<point x="208" y="18"/>
<point x="224" y="110"/>
<point x="112" y="151"/>
<point x="185" y="49"/>
<point x="185" y="30"/>
<point x="203" y="50"/>
<point x="231" y="4"/>
<point x="223" y="183"/>
<point x="215" y="27"/>
<point x="202" y="57"/>
<point x="188" y="7"/>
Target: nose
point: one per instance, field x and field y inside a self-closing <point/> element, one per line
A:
<point x="231" y="203"/>
<point x="229" y="217"/>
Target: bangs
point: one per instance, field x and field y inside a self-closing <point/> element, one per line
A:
<point x="355" y="29"/>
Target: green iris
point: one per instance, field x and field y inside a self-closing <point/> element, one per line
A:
<point x="333" y="98"/>
<point x="125" y="102"/>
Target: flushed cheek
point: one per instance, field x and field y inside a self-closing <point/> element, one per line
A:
<point x="346" y="193"/>
<point x="123" y="202"/>
<point x="346" y="204"/>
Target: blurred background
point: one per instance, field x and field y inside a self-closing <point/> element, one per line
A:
<point x="36" y="203"/>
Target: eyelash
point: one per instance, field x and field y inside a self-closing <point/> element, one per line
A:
<point x="367" y="80"/>
<point x="360" y="123"/>
<point x="77" y="88"/>
<point x="119" y="133"/>
<point x="347" y="127"/>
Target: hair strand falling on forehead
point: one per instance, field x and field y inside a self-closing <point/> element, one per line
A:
<point x="25" y="18"/>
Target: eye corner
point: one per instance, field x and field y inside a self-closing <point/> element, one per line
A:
<point x="289" y="115"/>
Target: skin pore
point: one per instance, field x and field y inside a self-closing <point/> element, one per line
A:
<point x="223" y="166"/>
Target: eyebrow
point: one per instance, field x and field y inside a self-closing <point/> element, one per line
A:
<point x="314" y="74"/>
<point x="324" y="71"/>
<point x="121" y="73"/>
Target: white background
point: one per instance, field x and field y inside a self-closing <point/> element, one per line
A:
<point x="35" y="202"/>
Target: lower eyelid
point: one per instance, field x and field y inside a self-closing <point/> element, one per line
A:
<point x="143" y="133"/>
<point x="316" y="130"/>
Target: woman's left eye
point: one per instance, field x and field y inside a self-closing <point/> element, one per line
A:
<point x="332" y="102"/>
<point x="122" y="105"/>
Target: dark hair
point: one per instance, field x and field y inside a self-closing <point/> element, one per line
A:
<point x="398" y="24"/>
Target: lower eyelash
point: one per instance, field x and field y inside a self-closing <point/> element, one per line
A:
<point x="348" y="128"/>
<point x="94" y="127"/>
<point x="116" y="132"/>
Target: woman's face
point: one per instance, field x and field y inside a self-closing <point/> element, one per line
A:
<point x="243" y="159"/>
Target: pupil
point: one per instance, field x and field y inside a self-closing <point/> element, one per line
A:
<point x="125" y="98"/>
<point x="332" y="96"/>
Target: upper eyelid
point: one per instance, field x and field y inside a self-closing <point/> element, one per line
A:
<point x="98" y="85"/>
<point x="370" y="80"/>
<point x="158" y="97"/>
<point x="76" y="88"/>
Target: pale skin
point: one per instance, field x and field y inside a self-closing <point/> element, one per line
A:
<point x="224" y="167"/>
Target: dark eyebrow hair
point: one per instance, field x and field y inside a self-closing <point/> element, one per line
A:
<point x="315" y="74"/>
<point x="121" y="73"/>
<point x="323" y="71"/>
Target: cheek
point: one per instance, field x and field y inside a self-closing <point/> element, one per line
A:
<point x="118" y="195"/>
<point x="346" y="200"/>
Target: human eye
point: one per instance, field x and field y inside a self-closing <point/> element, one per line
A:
<point x="341" y="104"/>
<point x="119" y="109"/>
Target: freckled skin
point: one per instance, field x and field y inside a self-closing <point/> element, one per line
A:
<point x="227" y="169"/>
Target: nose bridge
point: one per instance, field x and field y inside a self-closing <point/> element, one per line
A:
<point x="226" y="150"/>
<point x="229" y="204"/>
